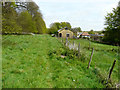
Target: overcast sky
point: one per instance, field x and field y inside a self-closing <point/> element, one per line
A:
<point x="87" y="14"/>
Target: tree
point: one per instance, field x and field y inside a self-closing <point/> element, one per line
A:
<point x="33" y="9"/>
<point x="54" y="27"/>
<point x="25" y="20"/>
<point x="91" y="32"/>
<point x="9" y="19"/>
<point x="75" y="30"/>
<point x="22" y="17"/>
<point x="39" y="23"/>
<point x="112" y="22"/>
<point x="65" y="24"/>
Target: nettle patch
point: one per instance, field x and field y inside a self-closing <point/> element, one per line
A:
<point x="66" y="53"/>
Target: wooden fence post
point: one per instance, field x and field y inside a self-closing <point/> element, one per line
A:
<point x="66" y="41"/>
<point x="111" y="69"/>
<point x="73" y="43"/>
<point x="90" y="58"/>
<point x="79" y="50"/>
<point x="62" y="40"/>
<point x="89" y="45"/>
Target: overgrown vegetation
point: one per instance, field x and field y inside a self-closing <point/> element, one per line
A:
<point x="38" y="62"/>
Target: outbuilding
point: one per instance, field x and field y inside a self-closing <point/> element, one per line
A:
<point x="65" y="32"/>
<point x="85" y="35"/>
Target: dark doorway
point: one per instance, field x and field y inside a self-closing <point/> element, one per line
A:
<point x="60" y="34"/>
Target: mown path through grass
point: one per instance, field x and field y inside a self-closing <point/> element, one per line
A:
<point x="35" y="62"/>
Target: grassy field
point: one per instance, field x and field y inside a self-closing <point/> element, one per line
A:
<point x="103" y="56"/>
<point x="35" y="62"/>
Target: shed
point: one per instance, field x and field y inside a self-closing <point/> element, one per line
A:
<point x="65" y="32"/>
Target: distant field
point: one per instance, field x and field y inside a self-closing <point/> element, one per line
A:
<point x="35" y="62"/>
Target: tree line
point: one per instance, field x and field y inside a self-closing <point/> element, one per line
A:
<point x="54" y="27"/>
<point x="112" y="29"/>
<point x="19" y="17"/>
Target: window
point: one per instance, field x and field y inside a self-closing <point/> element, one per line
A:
<point x="67" y="35"/>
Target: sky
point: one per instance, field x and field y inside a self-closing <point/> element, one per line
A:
<point x="86" y="14"/>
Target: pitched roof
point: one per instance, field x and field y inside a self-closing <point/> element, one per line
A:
<point x="85" y="34"/>
<point x="62" y="29"/>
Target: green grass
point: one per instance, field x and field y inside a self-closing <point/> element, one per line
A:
<point x="35" y="62"/>
<point x="103" y="56"/>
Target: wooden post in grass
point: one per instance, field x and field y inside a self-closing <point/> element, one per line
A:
<point x="111" y="69"/>
<point x="89" y="45"/>
<point x="79" y="50"/>
<point x="73" y="43"/>
<point x="90" y="58"/>
<point x="66" y="41"/>
<point x="62" y="40"/>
